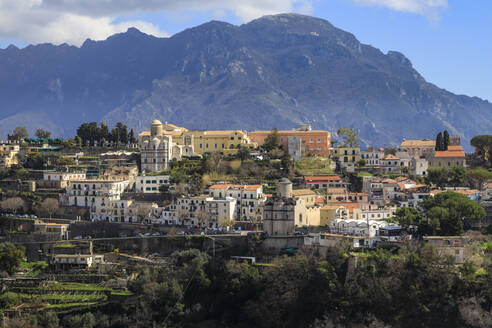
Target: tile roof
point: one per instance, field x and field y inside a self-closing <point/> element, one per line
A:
<point x="455" y="148"/>
<point x="235" y="187"/>
<point x="390" y="157"/>
<point x="449" y="154"/>
<point x="463" y="192"/>
<point x="290" y="132"/>
<point x="220" y="186"/>
<point x="303" y="192"/>
<point x="418" y="143"/>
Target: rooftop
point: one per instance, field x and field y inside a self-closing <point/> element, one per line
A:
<point x="390" y="157"/>
<point x="303" y="192"/>
<point x="418" y="143"/>
<point x="449" y="154"/>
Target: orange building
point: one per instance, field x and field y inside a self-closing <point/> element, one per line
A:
<point x="316" y="142"/>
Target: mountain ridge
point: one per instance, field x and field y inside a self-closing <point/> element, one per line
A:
<point x="277" y="70"/>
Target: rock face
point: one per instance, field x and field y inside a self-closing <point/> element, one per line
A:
<point x="277" y="71"/>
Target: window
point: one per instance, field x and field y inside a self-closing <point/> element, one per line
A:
<point x="319" y="140"/>
<point x="216" y="146"/>
<point x="200" y="145"/>
<point x="310" y="140"/>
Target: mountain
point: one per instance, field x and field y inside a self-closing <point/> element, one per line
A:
<point x="276" y="71"/>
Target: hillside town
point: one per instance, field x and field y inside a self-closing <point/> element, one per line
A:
<point x="105" y="200"/>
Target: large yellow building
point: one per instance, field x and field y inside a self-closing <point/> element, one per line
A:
<point x="226" y="141"/>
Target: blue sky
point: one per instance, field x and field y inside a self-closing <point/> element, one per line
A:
<point x="448" y="41"/>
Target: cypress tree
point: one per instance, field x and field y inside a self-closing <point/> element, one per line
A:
<point x="439" y="142"/>
<point x="446" y="140"/>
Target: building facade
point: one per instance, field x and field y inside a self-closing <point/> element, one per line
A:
<point x="151" y="183"/>
<point x="316" y="142"/>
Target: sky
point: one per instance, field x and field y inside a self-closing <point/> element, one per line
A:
<point x="448" y="41"/>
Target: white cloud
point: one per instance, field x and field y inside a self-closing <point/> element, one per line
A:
<point x="429" y="8"/>
<point x="72" y="21"/>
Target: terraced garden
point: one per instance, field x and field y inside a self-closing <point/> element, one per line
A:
<point x="58" y="296"/>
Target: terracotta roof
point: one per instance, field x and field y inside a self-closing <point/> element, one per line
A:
<point x="290" y="132"/>
<point x="449" y="154"/>
<point x="390" y="157"/>
<point x="236" y="187"/>
<point x="455" y="148"/>
<point x="303" y="192"/>
<point x="418" y="143"/>
<point x="463" y="192"/>
<point x="252" y="187"/>
<point x="403" y="179"/>
<point x="220" y="186"/>
<point x="389" y="181"/>
<point x="319" y="200"/>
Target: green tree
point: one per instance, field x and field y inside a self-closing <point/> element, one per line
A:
<point x="271" y="141"/>
<point x="477" y="177"/>
<point x="88" y="133"/>
<point x="10" y="257"/>
<point x="437" y="177"/>
<point x="243" y="153"/>
<point x="457" y="176"/>
<point x="445" y="140"/>
<point x="43" y="134"/>
<point x="20" y="133"/>
<point x="483" y="149"/>
<point x="131" y="137"/>
<point x="439" y="142"/>
<point x="350" y="138"/>
<point x="452" y="210"/>
<point x="406" y="216"/>
<point x="103" y="132"/>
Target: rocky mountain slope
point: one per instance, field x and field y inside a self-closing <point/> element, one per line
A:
<point x="277" y="70"/>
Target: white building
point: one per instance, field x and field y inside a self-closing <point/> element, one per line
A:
<point x="372" y="156"/>
<point x="157" y="146"/>
<point x="150" y="184"/>
<point x="357" y="227"/>
<point x="391" y="164"/>
<point x="94" y="193"/>
<point x="250" y="200"/>
<point x="200" y="210"/>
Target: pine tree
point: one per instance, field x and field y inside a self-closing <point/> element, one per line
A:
<point x="446" y="140"/>
<point x="439" y="142"/>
